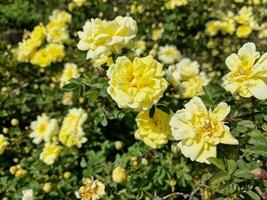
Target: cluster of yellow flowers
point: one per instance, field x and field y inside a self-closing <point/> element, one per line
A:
<point x="17" y="171"/>
<point x="91" y="190"/>
<point x="55" y="33"/>
<point x="186" y="78"/>
<point x="46" y="129"/>
<point x="247" y="77"/>
<point x="3" y="143"/>
<point x="242" y="24"/>
<point x="201" y="130"/>
<point x="103" y="38"/>
<point x="172" y="4"/>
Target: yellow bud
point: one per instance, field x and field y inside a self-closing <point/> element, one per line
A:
<point x="20" y="173"/>
<point x="4" y="89"/>
<point x="5" y="130"/>
<point x="67" y="175"/>
<point x="81" y="100"/>
<point x="52" y="85"/>
<point x="47" y="187"/>
<point x="4" y="198"/>
<point x="172" y="182"/>
<point x="13" y="169"/>
<point x="144" y="161"/>
<point x="14" y="122"/>
<point x="119" y="145"/>
<point x="119" y="175"/>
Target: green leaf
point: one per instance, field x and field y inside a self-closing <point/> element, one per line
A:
<point x="219" y="177"/>
<point x="217" y="162"/>
<point x="253" y="195"/>
<point x="70" y="86"/>
<point x="163" y="108"/>
<point x="152" y="112"/>
<point x="231" y="166"/>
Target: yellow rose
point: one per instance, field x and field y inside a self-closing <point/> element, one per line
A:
<point x="168" y="54"/>
<point x="50" y="153"/>
<point x="43" y="128"/>
<point x="213" y="27"/>
<point x="71" y="133"/>
<point x="70" y="71"/>
<point x="201" y="130"/>
<point x="101" y="36"/>
<point x="138" y="84"/>
<point x="60" y="16"/>
<point x="119" y="175"/>
<point x="57" y="32"/>
<point x="243" y="31"/>
<point x="91" y="190"/>
<point x="155" y="131"/>
<point x="247" y="77"/>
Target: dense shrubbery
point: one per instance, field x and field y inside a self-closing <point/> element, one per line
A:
<point x="88" y="107"/>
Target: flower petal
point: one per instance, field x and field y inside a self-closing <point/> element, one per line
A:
<point x="206" y="153"/>
<point x="259" y="89"/>
<point x="221" y="111"/>
<point x="191" y="151"/>
<point x="232" y="62"/>
<point x="227" y="137"/>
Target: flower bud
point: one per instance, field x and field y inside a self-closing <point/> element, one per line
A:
<point x="119" y="175"/>
<point x="47" y="187"/>
<point x="14" y="122"/>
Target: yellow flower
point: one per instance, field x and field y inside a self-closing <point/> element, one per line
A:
<point x="67" y="98"/>
<point x="50" y="153"/>
<point x="138" y="84"/>
<point x="71" y="133"/>
<point x="185" y="77"/>
<point x="57" y="32"/>
<point x="27" y="194"/>
<point x="171" y="4"/>
<point x="201" y="130"/>
<point x="244" y="16"/>
<point x="243" y="31"/>
<point x="101" y="36"/>
<point x="156" y="33"/>
<point x="79" y="3"/>
<point x="60" y="16"/>
<point x="213" y="27"/>
<point x="168" y="54"/>
<point x="50" y="54"/>
<point x="43" y="129"/>
<point x="155" y="131"/>
<point x="119" y="175"/>
<point x="247" y="77"/>
<point x="139" y="47"/>
<point x="91" y="190"/>
<point x="192" y="86"/>
<point x="70" y="71"/>
<point x="27" y="48"/>
<point x="3" y="143"/>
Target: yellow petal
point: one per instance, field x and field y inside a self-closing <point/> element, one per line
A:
<point x="221" y="111"/>
<point x="191" y="151"/>
<point x="259" y="89"/>
<point x="227" y="137"/>
<point x="206" y="153"/>
<point x="232" y="62"/>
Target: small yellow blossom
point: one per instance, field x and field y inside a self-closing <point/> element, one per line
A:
<point x="247" y="77"/>
<point x="213" y="27"/>
<point x="70" y="71"/>
<point x="201" y="130"/>
<point x="139" y="47"/>
<point x="172" y="4"/>
<point x="119" y="175"/>
<point x="67" y="98"/>
<point x="153" y="131"/>
<point x="50" y="153"/>
<point x="185" y="77"/>
<point x="27" y="194"/>
<point x="57" y="32"/>
<point x="3" y="143"/>
<point x="27" y="47"/>
<point x="168" y="54"/>
<point x="43" y="128"/>
<point x="47" y="187"/>
<point x="243" y="31"/>
<point x="156" y="33"/>
<point x="79" y="3"/>
<point x="101" y="36"/>
<point x="60" y="16"/>
<point x="71" y="133"/>
<point x="91" y="190"/>
<point x="138" y="84"/>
